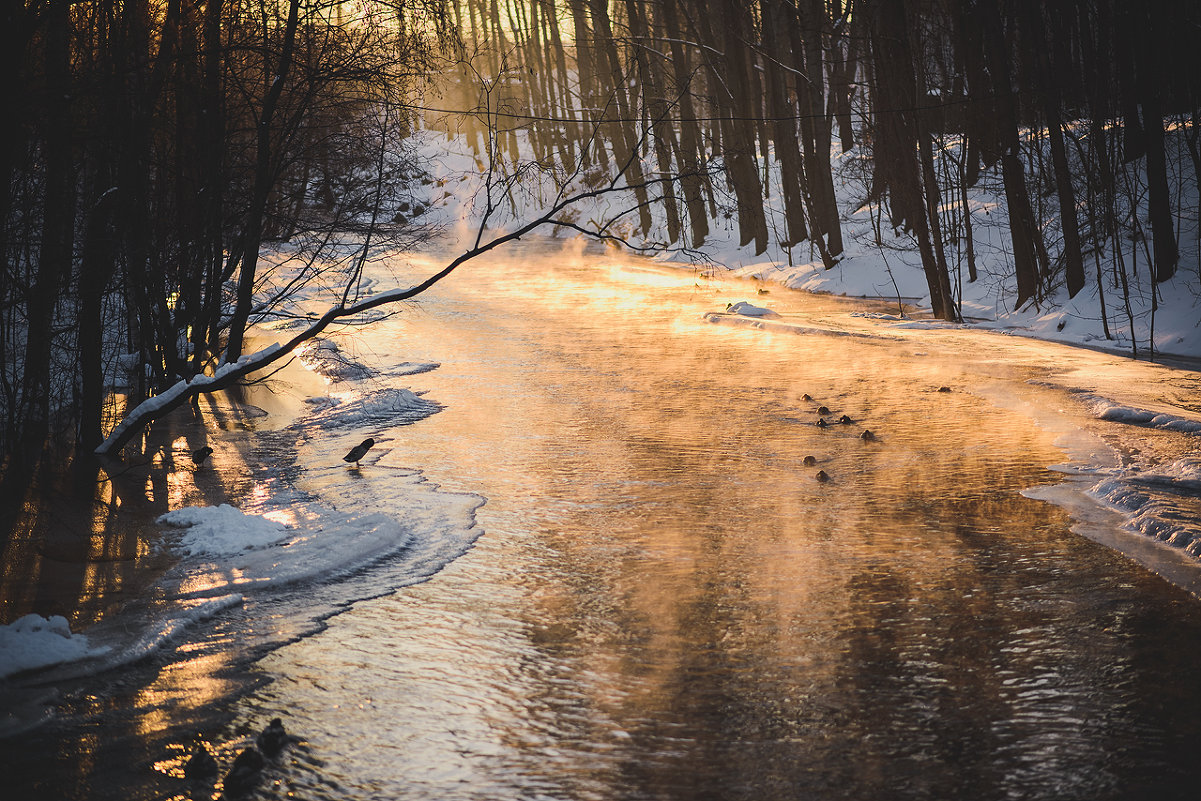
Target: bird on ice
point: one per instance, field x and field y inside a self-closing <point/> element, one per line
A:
<point x="200" y="454"/>
<point x="359" y="451"/>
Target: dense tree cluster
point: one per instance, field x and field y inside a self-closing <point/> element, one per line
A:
<point x="151" y="148"/>
<point x="1064" y="105"/>
<point x="154" y="147"/>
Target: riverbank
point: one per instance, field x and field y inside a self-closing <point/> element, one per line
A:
<point x="1141" y="319"/>
<point x="83" y="539"/>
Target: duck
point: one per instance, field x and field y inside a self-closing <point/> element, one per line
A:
<point x="809" y="461"/>
<point x="845" y="420"/>
<point x="359" y="451"/>
<point x="944" y="389"/>
<point x="823" y="409"/>
<point x="867" y="436"/>
<point x="806" y="397"/>
<point x="822" y="476"/>
<point x="821" y="422"/>
<point x="272" y="739"/>
<point x="201" y="764"/>
<point x="201" y="454"/>
<point x="245" y="774"/>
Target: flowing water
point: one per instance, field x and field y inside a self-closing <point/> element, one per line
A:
<point x="665" y="602"/>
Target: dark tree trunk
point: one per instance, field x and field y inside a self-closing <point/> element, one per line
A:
<point x="1023" y="230"/>
<point x="784" y="127"/>
<point x="691" y="160"/>
<point x="58" y="213"/>
<point x="275" y="76"/>
<point x="98" y="262"/>
<point x="1072" y="251"/>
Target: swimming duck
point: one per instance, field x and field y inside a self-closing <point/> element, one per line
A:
<point x="201" y="764"/>
<point x="272" y="739"/>
<point x="245" y="773"/>
<point x="806" y="397"/>
<point x="823" y="409"/>
<point x="359" y="451"/>
<point x="809" y="461"/>
<point x="845" y="420"/>
<point x="867" y="436"/>
<point x="821" y="476"/>
<point x="821" y="423"/>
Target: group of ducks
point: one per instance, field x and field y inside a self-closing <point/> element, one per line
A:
<point x="845" y="420"/>
<point x="247" y="769"/>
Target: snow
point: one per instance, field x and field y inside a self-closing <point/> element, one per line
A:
<point x="889" y="268"/>
<point x="750" y="310"/>
<point x="221" y="530"/>
<point x="34" y="642"/>
<point x="231" y="551"/>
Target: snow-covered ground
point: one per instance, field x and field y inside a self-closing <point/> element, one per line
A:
<point x="891" y="269"/>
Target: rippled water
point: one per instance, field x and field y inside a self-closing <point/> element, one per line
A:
<point x="666" y="603"/>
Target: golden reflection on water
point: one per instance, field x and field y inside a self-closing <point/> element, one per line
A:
<point x="668" y="604"/>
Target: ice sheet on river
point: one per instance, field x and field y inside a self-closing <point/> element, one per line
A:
<point x="269" y="572"/>
<point x="1160" y="501"/>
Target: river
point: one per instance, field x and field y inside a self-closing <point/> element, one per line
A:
<point x="666" y="602"/>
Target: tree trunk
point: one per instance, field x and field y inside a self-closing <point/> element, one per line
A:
<point x="54" y="258"/>
<point x="1023" y="230"/>
<point x="1072" y="252"/>
<point x="264" y="182"/>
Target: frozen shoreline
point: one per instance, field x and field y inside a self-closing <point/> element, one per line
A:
<point x="284" y="550"/>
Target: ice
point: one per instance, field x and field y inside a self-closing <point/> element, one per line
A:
<point x="221" y="530"/>
<point x="382" y="407"/>
<point x="750" y="310"/>
<point x="34" y="642"/>
<point x="230" y="551"/>
<point x="1106" y="409"/>
<point x="325" y="357"/>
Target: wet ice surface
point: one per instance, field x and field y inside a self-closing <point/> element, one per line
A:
<point x="666" y="602"/>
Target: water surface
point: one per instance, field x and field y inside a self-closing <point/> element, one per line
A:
<point x="667" y="604"/>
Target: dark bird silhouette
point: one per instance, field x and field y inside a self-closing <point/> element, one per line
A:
<point x="845" y="420"/>
<point x="823" y="409"/>
<point x="806" y="397"/>
<point x="867" y="436"/>
<point x="359" y="451"/>
<point x="944" y="389"/>
<point x="200" y="454"/>
<point x="809" y="461"/>
<point x="821" y="476"/>
<point x="201" y="764"/>
<point x="245" y="773"/>
<point x="272" y="739"/>
<point x="821" y="423"/>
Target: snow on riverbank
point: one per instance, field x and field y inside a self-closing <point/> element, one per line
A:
<point x="33" y="642"/>
<point x="888" y="268"/>
<point x="302" y="552"/>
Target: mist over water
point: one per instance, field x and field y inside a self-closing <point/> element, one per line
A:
<point x="666" y="602"/>
<point x="659" y="599"/>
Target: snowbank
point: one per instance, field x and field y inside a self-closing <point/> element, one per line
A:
<point x="35" y="642"/>
<point x="230" y="551"/>
<point x="877" y="263"/>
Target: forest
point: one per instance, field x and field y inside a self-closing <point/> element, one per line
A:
<point x="158" y="151"/>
